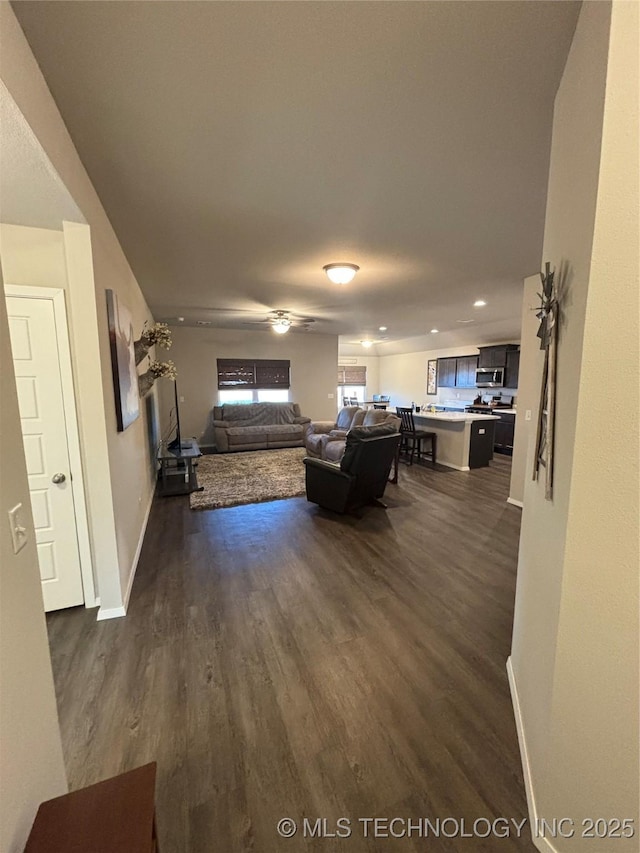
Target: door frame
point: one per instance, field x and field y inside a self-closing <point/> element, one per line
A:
<point x="56" y="296"/>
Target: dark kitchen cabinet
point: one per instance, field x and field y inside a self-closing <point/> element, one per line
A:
<point x="481" y="443"/>
<point x="513" y="368"/>
<point x="496" y="356"/>
<point x="447" y="372"/>
<point x="466" y="371"/>
<point x="504" y="432"/>
<point x="493" y="356"/>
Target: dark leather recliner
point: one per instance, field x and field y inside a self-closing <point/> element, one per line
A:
<point x="362" y="475"/>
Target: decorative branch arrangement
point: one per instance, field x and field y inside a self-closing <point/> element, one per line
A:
<point x="157" y="335"/>
<point x="157" y="370"/>
<point x="548" y="334"/>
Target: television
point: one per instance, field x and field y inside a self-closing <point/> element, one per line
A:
<point x="177" y="444"/>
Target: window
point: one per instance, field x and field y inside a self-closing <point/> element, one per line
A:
<point x="253" y="380"/>
<point x="272" y="395"/>
<point x="352" y="374"/>
<point x="261" y="395"/>
<point x="235" y="396"/>
<point x="352" y="383"/>
<point x="253" y="373"/>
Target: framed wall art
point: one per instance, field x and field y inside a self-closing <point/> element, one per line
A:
<point x="432" y="376"/>
<point x="123" y="361"/>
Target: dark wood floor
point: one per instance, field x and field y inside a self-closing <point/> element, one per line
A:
<point x="277" y="660"/>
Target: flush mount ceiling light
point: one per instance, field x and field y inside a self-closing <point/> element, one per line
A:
<point x="366" y="344"/>
<point x="479" y="303"/>
<point x="281" y="326"/>
<point x="382" y="328"/>
<point x="434" y="331"/>
<point x="340" y="273"/>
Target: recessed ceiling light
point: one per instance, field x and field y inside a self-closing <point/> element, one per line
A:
<point x="382" y="328"/>
<point x="340" y="273"/>
<point x="180" y="319"/>
<point x="434" y="331"/>
<point x="479" y="303"/>
<point x="366" y="344"/>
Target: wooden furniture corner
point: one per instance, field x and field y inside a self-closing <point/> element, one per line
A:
<point x="114" y="816"/>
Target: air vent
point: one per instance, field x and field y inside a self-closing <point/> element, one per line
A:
<point x="203" y="322"/>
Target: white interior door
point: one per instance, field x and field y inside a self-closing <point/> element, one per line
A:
<point x="36" y="362"/>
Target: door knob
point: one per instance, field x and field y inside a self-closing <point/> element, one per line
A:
<point x="58" y="478"/>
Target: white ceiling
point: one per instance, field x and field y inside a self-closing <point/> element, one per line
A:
<point x="239" y="146"/>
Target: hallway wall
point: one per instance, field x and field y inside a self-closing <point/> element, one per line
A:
<point x="131" y="468"/>
<point x="32" y="764"/>
<point x="574" y="662"/>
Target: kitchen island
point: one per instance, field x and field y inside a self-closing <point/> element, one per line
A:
<point x="465" y="440"/>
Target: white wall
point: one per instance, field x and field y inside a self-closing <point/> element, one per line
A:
<point x="314" y="372"/>
<point x="33" y="256"/>
<point x="529" y="384"/>
<point x="32" y="767"/>
<point x="575" y="646"/>
<point x="130" y="453"/>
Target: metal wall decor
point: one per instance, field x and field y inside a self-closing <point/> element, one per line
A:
<point x="548" y="334"/>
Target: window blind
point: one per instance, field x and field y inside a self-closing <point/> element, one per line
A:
<point x="253" y="373"/>
<point x="352" y="374"/>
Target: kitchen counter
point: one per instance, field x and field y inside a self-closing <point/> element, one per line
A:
<point x="498" y="409"/>
<point x="464" y="440"/>
<point x="455" y="417"/>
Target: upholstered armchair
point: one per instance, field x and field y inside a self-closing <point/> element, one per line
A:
<point x="360" y="477"/>
<point x="318" y="433"/>
<point x="334" y="445"/>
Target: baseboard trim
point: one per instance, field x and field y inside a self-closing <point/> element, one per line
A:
<point x="515" y="502"/>
<point x="136" y="556"/>
<point x="455" y="467"/>
<point x="116" y="612"/>
<point x="110" y="613"/>
<point x="541" y="844"/>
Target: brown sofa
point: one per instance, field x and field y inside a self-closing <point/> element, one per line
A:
<point x="258" y="426"/>
<point x="327" y="440"/>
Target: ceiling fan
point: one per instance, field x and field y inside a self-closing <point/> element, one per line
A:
<point x="281" y="321"/>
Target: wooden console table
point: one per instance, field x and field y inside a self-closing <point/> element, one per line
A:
<point x="113" y="816"/>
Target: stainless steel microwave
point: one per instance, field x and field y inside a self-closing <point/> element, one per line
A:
<point x="490" y="377"/>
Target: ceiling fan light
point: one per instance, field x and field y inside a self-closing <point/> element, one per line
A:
<point x="340" y="273"/>
<point x="280" y="327"/>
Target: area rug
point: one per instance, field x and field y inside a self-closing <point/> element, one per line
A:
<point x="253" y="476"/>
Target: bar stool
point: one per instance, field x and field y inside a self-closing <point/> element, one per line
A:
<point x="412" y="438"/>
